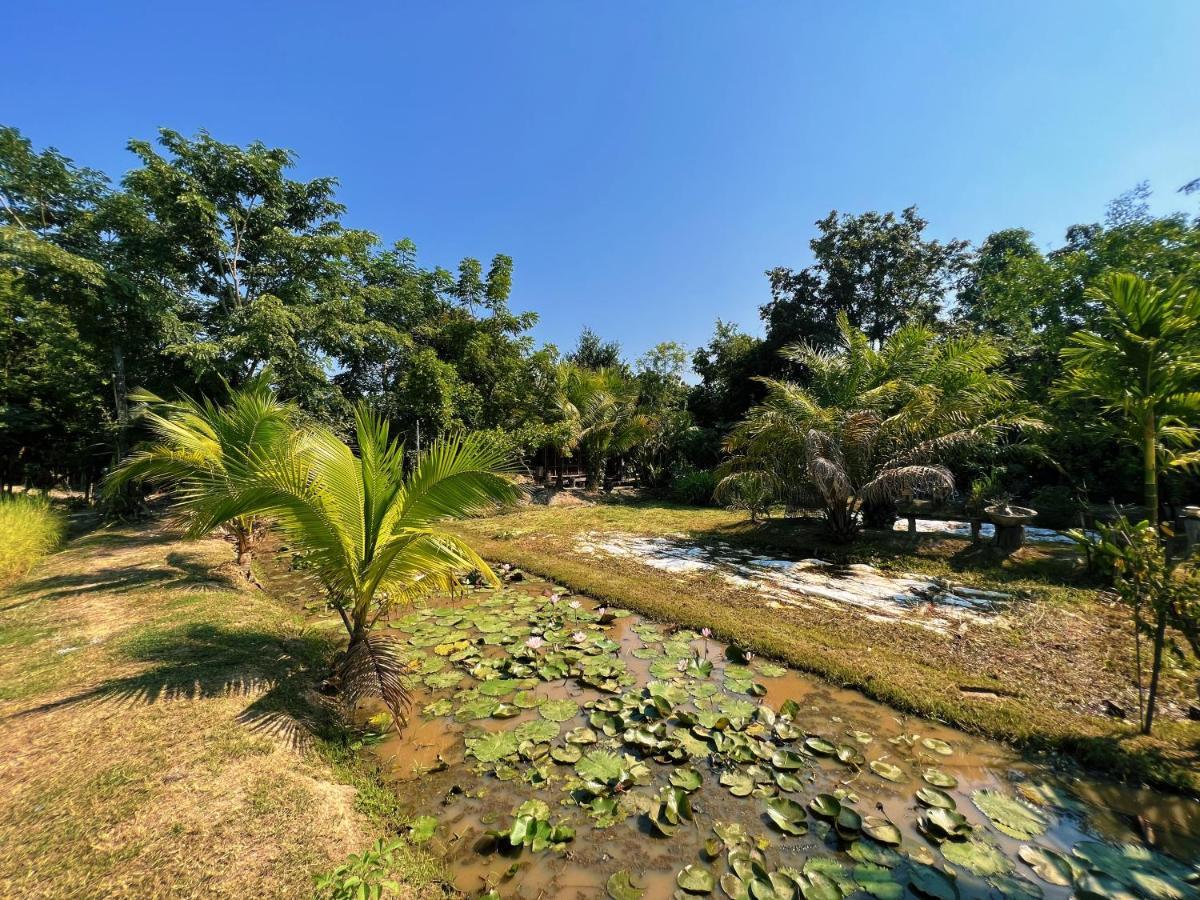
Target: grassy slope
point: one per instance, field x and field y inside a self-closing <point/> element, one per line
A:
<point x="1062" y="653"/>
<point x="149" y="744"/>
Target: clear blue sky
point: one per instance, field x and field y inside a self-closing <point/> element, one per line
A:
<point x="643" y="163"/>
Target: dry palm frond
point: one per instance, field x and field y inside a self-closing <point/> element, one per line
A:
<point x="376" y="667"/>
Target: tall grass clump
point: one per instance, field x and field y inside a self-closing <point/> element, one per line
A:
<point x="29" y="529"/>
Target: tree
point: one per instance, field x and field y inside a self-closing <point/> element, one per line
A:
<point x="200" y="447"/>
<point x="727" y="366"/>
<point x="874" y="424"/>
<point x="369" y="532"/>
<point x="879" y="270"/>
<point x="1142" y="366"/>
<point x="601" y="408"/>
<point x="592" y="352"/>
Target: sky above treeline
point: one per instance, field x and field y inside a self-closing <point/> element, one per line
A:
<point x="643" y="163"/>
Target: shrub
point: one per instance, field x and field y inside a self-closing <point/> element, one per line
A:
<point x="29" y="529"/>
<point x="750" y="491"/>
<point x="694" y="488"/>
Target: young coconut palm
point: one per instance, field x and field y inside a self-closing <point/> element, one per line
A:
<point x="196" y="441"/>
<point x="601" y="407"/>
<point x="370" y="532"/>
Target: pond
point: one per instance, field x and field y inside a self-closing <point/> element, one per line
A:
<point x="561" y="749"/>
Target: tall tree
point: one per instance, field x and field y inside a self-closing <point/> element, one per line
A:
<point x="879" y="270"/>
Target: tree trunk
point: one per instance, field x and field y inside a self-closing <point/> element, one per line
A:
<point x="120" y="397"/>
<point x="1150" y="468"/>
<point x="1160" y="634"/>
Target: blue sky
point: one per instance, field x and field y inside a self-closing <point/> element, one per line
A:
<point x="643" y="163"/>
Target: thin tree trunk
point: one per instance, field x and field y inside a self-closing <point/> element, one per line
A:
<point x="1150" y="468"/>
<point x="120" y="397"/>
<point x="1160" y="633"/>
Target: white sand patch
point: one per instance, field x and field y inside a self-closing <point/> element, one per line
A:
<point x="963" y="530"/>
<point x="929" y="602"/>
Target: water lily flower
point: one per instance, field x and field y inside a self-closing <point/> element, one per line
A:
<point x="554" y="598"/>
<point x="706" y="633"/>
<point x="575" y="604"/>
<point x="601" y="610"/>
<point x="534" y="642"/>
<point x="579" y="637"/>
<point x="683" y="664"/>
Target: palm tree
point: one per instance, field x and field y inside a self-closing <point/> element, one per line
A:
<point x="874" y="424"/>
<point x="1142" y="365"/>
<point x="196" y="442"/>
<point x="370" y="533"/>
<point x="601" y="406"/>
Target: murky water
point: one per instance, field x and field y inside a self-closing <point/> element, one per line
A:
<point x="436" y="776"/>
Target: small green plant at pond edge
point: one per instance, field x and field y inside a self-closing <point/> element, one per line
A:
<point x="29" y="529"/>
<point x="1145" y="577"/>
<point x="363" y="876"/>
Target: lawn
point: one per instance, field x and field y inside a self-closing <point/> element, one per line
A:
<point x="151" y="744"/>
<point x="1039" y="678"/>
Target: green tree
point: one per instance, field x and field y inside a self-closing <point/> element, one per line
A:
<point x="879" y="270"/>
<point x="369" y="532"/>
<point x="874" y="424"/>
<point x="200" y="447"/>
<point x="1142" y="366"/>
<point x="600" y="407"/>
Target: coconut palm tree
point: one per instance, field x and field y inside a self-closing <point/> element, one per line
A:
<point x="873" y="424"/>
<point x="195" y="442"/>
<point x="371" y="533"/>
<point x="601" y="406"/>
<point x="1142" y="364"/>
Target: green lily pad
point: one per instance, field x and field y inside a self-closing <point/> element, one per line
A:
<point x="537" y="731"/>
<point x="602" y="766"/>
<point x="559" y="710"/>
<point x="933" y="883"/>
<point x="786" y="781"/>
<point x="566" y="755"/>
<point x="931" y="796"/>
<point x="975" y="855"/>
<point x="887" y="770"/>
<point x="493" y="746"/>
<point x="938" y="778"/>
<point x="787" y="815"/>
<point x="820" y="746"/>
<point x="878" y="881"/>
<point x="1051" y="867"/>
<point x="527" y="699"/>
<point x="882" y="830"/>
<point x="1102" y="887"/>
<point x="739" y="783"/>
<point x="788" y="760"/>
<point x="580" y="735"/>
<point x="825" y="805"/>
<point x="1009" y="815"/>
<point x="476" y="708"/>
<point x="818" y="886"/>
<point x="1016" y="887"/>
<point x="937" y="746"/>
<point x="686" y="778"/>
<point x="624" y="885"/>
<point x="944" y="824"/>
<point x="696" y="879"/>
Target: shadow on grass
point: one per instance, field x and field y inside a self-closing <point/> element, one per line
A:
<point x="205" y="661"/>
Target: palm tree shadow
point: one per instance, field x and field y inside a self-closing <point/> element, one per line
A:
<point x="205" y="661"/>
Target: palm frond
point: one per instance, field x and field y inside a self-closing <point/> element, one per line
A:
<point x="376" y="666"/>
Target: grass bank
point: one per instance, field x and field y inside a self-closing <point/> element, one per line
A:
<point x="30" y="527"/>
<point x="161" y="735"/>
<point x="1038" y="679"/>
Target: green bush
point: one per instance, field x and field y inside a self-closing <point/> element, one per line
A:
<point x="29" y="529"/>
<point x="694" y="488"/>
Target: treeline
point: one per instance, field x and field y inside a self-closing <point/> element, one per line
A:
<point x="207" y="264"/>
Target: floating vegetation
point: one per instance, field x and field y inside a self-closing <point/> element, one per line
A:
<point x="591" y="724"/>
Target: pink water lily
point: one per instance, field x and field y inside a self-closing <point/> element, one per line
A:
<point x="554" y="598"/>
<point x="579" y="637"/>
<point x="601" y="610"/>
<point x="534" y="642"/>
<point x="706" y="633"/>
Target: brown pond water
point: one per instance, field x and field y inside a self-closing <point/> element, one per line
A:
<point x="435" y="776"/>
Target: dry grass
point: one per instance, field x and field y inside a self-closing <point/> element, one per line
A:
<point x="152" y="742"/>
<point x="1059" y="654"/>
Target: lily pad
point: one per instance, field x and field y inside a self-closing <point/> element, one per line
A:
<point x="937" y="746"/>
<point x="580" y="735"/>
<point x="493" y="746"/>
<point x="931" y="796"/>
<point x="739" y="783"/>
<point x="1051" y="867"/>
<point x="559" y="710"/>
<point x="978" y="856"/>
<point x="566" y="755"/>
<point x="686" y="778"/>
<point x="820" y="746"/>
<point x="696" y="879"/>
<point x="825" y="805"/>
<point x="787" y="815"/>
<point x="1009" y="815"/>
<point x="938" y="778"/>
<point x="944" y="824"/>
<point x="538" y="731"/>
<point x="882" y="830"/>
<point x="887" y="770"/>
<point x="422" y="829"/>
<point x="623" y="885"/>
<point x="926" y="881"/>
<point x="788" y="760"/>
